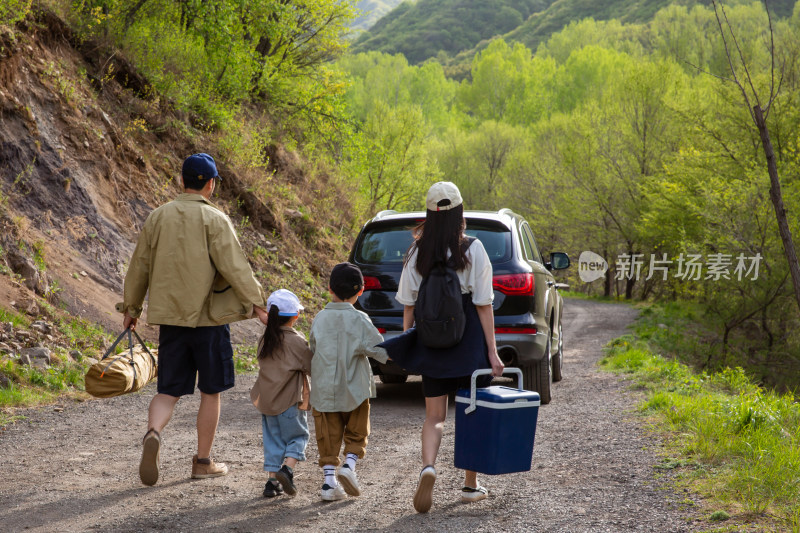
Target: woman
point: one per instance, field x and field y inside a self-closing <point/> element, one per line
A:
<point x="441" y="238"/>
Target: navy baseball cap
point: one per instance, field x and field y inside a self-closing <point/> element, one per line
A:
<point x="200" y="167"/>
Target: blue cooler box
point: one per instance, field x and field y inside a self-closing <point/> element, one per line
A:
<point x="495" y="431"/>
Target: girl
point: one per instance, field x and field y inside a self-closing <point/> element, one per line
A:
<point x="281" y="392"/>
<point x="441" y="238"/>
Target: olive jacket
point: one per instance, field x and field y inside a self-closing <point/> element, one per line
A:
<point x="190" y="260"/>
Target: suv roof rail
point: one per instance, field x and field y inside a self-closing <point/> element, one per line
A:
<point x="384" y="213"/>
<point x="506" y="211"/>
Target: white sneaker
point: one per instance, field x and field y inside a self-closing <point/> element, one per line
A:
<point x="469" y="494"/>
<point x="349" y="480"/>
<point x="423" y="497"/>
<point x="332" y="494"/>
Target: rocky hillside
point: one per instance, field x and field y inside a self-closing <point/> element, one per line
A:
<point x="88" y="149"/>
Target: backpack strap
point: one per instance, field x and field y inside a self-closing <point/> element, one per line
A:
<point x="466" y="243"/>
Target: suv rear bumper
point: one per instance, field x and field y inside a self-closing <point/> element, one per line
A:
<point x="521" y="350"/>
<point x="514" y="350"/>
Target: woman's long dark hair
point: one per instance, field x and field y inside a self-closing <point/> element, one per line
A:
<point x="273" y="334"/>
<point x="439" y="232"/>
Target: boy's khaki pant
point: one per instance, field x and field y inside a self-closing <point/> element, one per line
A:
<point x="332" y="428"/>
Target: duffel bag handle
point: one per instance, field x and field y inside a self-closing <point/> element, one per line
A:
<point x="129" y="333"/>
<point x="482" y="372"/>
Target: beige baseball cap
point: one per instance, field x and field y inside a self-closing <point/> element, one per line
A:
<point x="443" y="196"/>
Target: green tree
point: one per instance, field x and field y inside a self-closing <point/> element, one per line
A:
<point x="391" y="160"/>
<point x="499" y="75"/>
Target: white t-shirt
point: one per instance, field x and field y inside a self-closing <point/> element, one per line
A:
<point x="475" y="279"/>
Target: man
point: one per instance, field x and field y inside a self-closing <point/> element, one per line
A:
<point x="199" y="281"/>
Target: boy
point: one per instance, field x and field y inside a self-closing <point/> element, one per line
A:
<point x="341" y="380"/>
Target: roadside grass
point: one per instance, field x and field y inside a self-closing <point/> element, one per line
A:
<point x="736" y="443"/>
<point x="29" y="386"/>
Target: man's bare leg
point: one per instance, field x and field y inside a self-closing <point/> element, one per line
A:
<point x="161" y="408"/>
<point x="207" y="420"/>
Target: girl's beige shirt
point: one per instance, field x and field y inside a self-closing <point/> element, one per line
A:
<point x="280" y="376"/>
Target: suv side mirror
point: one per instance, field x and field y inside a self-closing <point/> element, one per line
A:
<point x="558" y="261"/>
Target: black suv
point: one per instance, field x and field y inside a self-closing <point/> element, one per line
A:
<point x="527" y="305"/>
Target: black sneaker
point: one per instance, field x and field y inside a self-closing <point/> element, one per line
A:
<point x="286" y="477"/>
<point x="272" y="489"/>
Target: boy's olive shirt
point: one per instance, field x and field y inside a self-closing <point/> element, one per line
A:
<point x="190" y="260"/>
<point x="342" y="338"/>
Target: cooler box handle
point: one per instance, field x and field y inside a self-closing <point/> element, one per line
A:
<point x="482" y="372"/>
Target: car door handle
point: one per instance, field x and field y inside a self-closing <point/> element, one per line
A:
<point x="551" y="283"/>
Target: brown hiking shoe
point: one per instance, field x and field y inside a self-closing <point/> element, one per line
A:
<point x="203" y="470"/>
<point x="148" y="467"/>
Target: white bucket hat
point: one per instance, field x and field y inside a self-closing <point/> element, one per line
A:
<point x="287" y="303"/>
<point x="443" y="196"/>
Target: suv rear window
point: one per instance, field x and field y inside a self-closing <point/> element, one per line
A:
<point x="389" y="244"/>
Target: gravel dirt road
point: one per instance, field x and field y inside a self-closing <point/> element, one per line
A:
<point x="76" y="469"/>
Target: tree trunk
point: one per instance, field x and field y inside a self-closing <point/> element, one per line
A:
<point x="629" y="283"/>
<point x="777" y="201"/>
<point x="630" y="280"/>
<point x="608" y="277"/>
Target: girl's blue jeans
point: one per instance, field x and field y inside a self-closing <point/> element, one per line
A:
<point x="285" y="435"/>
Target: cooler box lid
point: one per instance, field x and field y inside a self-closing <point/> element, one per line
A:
<point x="500" y="397"/>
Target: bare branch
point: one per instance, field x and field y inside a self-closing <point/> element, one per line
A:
<point x="704" y="71"/>
<point x="777" y="90"/>
<point x="772" y="59"/>
<point x="730" y="60"/>
<point x="741" y="55"/>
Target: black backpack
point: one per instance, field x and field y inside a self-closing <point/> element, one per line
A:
<point x="438" y="311"/>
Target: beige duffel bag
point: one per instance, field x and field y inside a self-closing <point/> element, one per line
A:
<point x="122" y="373"/>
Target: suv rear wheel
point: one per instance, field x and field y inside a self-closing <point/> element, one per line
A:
<point x="538" y="376"/>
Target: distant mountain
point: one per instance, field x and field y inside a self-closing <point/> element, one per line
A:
<point x="371" y="12"/>
<point x="541" y="25"/>
<point x="424" y="29"/>
<point x="460" y="27"/>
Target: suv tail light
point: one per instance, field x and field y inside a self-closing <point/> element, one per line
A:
<point x="371" y="283"/>
<point x="514" y="284"/>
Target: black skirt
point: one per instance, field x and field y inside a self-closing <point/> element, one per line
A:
<point x="457" y="361"/>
